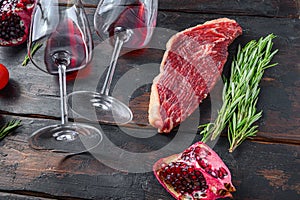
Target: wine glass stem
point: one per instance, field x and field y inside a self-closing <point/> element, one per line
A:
<point x="112" y="66"/>
<point x="63" y="93"/>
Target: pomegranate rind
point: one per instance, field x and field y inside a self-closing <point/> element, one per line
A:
<point x="157" y="168"/>
<point x="213" y="158"/>
<point x="25" y="14"/>
<point x="217" y="188"/>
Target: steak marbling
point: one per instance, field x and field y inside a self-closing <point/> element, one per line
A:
<point x="191" y="66"/>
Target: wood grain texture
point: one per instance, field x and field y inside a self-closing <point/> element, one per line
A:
<point x="266" y="8"/>
<point x="265" y="167"/>
<point x="270" y="8"/>
<point x="279" y="88"/>
<point x="12" y="196"/>
<point x="23" y="170"/>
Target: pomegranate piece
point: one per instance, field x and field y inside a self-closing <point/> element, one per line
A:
<point x="196" y="173"/>
<point x="15" y="18"/>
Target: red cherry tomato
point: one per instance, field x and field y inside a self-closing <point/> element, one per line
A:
<point x="4" y="76"/>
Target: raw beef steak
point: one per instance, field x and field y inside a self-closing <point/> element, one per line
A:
<point x="191" y="66"/>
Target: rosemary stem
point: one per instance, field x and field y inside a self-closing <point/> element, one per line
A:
<point x="240" y="93"/>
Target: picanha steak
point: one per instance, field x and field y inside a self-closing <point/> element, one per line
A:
<point x="191" y="66"/>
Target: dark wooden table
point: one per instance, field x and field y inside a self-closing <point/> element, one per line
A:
<point x="265" y="167"/>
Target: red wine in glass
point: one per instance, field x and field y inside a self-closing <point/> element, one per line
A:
<point x="67" y="39"/>
<point x="60" y="41"/>
<point x="124" y="23"/>
<point x="132" y="15"/>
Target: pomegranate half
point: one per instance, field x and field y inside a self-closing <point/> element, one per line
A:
<point x="196" y="173"/>
<point x="15" y="18"/>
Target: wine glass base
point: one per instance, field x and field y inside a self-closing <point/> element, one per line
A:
<point x="97" y="107"/>
<point x="66" y="138"/>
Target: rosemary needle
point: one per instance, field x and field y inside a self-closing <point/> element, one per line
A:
<point x="240" y="93"/>
<point x="8" y="127"/>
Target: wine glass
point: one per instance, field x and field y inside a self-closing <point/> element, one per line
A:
<point x="125" y="23"/>
<point x="60" y="42"/>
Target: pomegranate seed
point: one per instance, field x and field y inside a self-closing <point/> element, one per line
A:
<point x="220" y="174"/>
<point x="8" y="13"/>
<point x="202" y="163"/>
<point x="214" y="173"/>
<point x="223" y="171"/>
<point x="20" y="5"/>
<point x="196" y="174"/>
<point x="182" y="178"/>
<point x="197" y="150"/>
<point x="203" y="195"/>
<point x="208" y="167"/>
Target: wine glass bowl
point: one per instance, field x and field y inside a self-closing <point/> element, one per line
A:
<point x="59" y="42"/>
<point x="59" y="28"/>
<point x="136" y="16"/>
<point x="124" y="23"/>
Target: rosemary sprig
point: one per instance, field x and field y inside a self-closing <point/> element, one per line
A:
<point x="34" y="49"/>
<point x="8" y="127"/>
<point x="240" y="93"/>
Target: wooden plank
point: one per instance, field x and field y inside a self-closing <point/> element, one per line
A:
<point x="272" y="167"/>
<point x="10" y="196"/>
<point x="267" y="8"/>
<point x="36" y="94"/>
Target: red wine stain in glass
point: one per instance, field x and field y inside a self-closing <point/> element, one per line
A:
<point x="132" y="17"/>
<point x="67" y="38"/>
